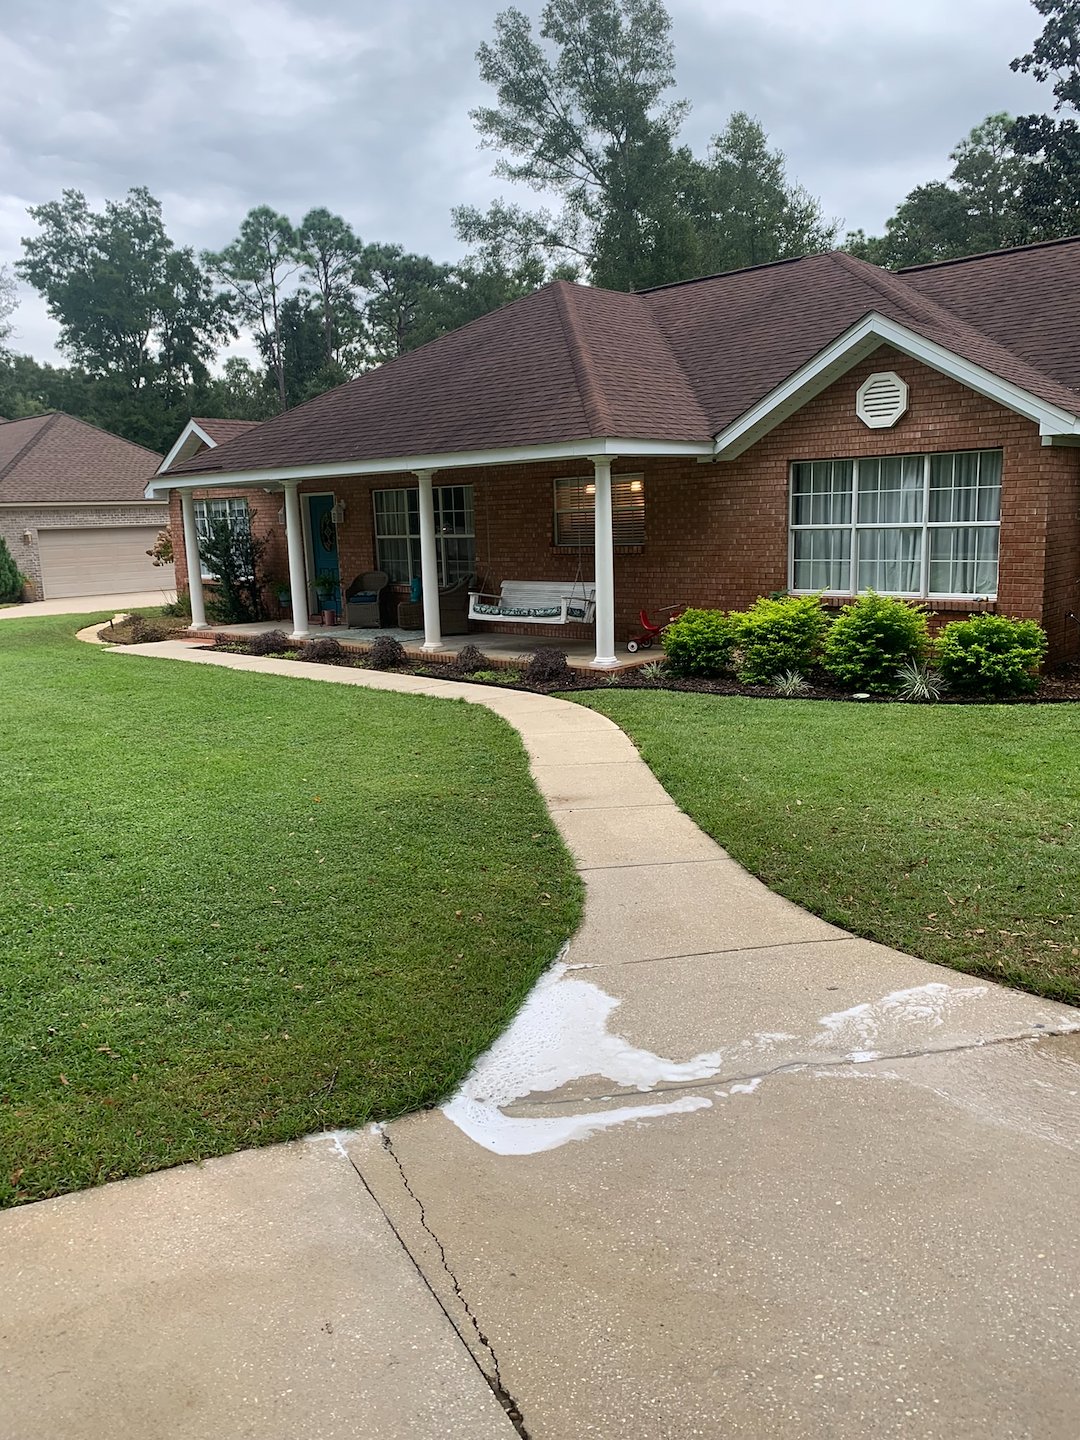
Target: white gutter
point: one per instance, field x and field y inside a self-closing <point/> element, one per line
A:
<point x="275" y="475"/>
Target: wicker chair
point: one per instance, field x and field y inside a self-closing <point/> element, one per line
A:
<point x="363" y="599"/>
<point x="453" y="609"/>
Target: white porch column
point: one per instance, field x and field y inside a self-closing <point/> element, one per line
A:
<point x="429" y="564"/>
<point x="194" y="563"/>
<point x="605" y="566"/>
<point x="294" y="536"/>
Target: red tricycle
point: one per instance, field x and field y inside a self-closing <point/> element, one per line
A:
<point x="650" y="630"/>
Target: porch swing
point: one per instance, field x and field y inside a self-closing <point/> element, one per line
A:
<point x="540" y="602"/>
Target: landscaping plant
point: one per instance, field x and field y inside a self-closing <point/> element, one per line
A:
<point x="991" y="655"/>
<point x="790" y="684"/>
<point x="319" y="648"/>
<point x="778" y="634"/>
<point x="470" y="659"/>
<point x="386" y="653"/>
<point x="272" y="642"/>
<point x="871" y="638"/>
<point x="915" y="680"/>
<point x="233" y="555"/>
<point x="700" y="642"/>
<point x="546" y="666"/>
<point x="12" y="579"/>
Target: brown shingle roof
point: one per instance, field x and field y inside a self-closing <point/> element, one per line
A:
<point x="678" y="363"/>
<point x="222" y="431"/>
<point x="57" y="459"/>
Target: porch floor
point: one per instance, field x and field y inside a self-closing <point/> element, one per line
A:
<point x="505" y="648"/>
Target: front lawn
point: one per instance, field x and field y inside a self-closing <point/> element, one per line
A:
<point x="951" y="833"/>
<point x="238" y="908"/>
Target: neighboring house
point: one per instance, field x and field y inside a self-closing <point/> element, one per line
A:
<point x="73" y="511"/>
<point x="815" y="425"/>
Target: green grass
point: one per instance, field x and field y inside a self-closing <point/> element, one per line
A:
<point x="952" y="833"/>
<point x="237" y="908"/>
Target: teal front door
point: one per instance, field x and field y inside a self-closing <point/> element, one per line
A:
<point x="325" y="572"/>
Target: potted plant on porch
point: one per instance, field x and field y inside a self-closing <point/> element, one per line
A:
<point x="329" y="592"/>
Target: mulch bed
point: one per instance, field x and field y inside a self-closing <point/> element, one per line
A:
<point x="1059" y="686"/>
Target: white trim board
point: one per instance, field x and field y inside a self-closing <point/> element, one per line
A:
<point x="191" y="431"/>
<point x="274" y="476"/>
<point x="856" y="344"/>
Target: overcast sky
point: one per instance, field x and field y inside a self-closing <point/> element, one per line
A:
<point x="219" y="105"/>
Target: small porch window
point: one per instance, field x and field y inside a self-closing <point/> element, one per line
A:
<point x="397" y="533"/>
<point x="235" y="511"/>
<point x="575" y="510"/>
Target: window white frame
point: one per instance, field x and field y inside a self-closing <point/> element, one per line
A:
<point x="574" y="511"/>
<point x="925" y="526"/>
<point x="234" y="508"/>
<point x="450" y="500"/>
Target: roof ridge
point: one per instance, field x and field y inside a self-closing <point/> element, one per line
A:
<point x="90" y="425"/>
<point x="23" y="451"/>
<point x="593" y="400"/>
<point x="989" y="254"/>
<point x="723" y="274"/>
<point x="886" y="283"/>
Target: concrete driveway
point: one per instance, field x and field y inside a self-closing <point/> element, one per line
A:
<point x="731" y="1172"/>
<point x="88" y="604"/>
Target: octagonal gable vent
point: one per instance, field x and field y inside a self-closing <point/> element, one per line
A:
<point x="881" y="399"/>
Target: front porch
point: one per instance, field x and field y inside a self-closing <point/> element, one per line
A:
<point x="503" y="648"/>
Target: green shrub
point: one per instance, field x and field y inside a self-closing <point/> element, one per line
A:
<point x="11" y="578"/>
<point x="700" y="642"/>
<point x="777" y="635"/>
<point x="991" y="655"/>
<point x="870" y="640"/>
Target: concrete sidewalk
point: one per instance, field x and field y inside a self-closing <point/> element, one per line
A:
<point x="731" y="1172"/>
<point x="88" y="604"/>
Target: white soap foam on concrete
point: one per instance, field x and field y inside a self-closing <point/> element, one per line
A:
<point x="561" y="1035"/>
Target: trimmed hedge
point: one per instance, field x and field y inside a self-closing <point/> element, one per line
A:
<point x="870" y="640"/>
<point x="779" y="635"/>
<point x="991" y="655"/>
<point x="700" y="642"/>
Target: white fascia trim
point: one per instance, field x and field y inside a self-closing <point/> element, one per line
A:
<point x="190" y="431"/>
<point x="515" y="455"/>
<point x="855" y="345"/>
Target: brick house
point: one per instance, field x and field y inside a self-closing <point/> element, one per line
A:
<point x="816" y="425"/>
<point x="73" y="511"/>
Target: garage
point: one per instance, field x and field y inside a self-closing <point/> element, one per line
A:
<point x="104" y="560"/>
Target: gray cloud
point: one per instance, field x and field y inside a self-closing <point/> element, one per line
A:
<point x="364" y="107"/>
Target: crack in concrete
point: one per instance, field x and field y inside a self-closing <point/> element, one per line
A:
<point x="786" y="1067"/>
<point x="494" y="1380"/>
<point x="495" y="1385"/>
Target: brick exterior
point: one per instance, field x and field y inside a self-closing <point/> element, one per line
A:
<point x="17" y="520"/>
<point x="717" y="533"/>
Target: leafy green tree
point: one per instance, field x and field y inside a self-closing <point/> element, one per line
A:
<point x="1050" y="200"/>
<point x="256" y="268"/>
<point x="743" y="208"/>
<point x="8" y="302"/>
<point x="329" y="253"/>
<point x="585" y="118"/>
<point x="240" y="392"/>
<point x="978" y="209"/>
<point x="401" y="291"/>
<point x="131" y="307"/>
<point x="307" y="370"/>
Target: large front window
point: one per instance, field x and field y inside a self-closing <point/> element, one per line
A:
<point x="397" y="532"/>
<point x="915" y="525"/>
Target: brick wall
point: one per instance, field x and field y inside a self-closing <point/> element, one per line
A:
<point x="716" y="534"/>
<point x="14" y="523"/>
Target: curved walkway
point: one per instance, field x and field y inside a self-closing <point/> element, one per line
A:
<point x="733" y="1171"/>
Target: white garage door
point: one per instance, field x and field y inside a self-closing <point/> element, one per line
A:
<point x="109" y="560"/>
